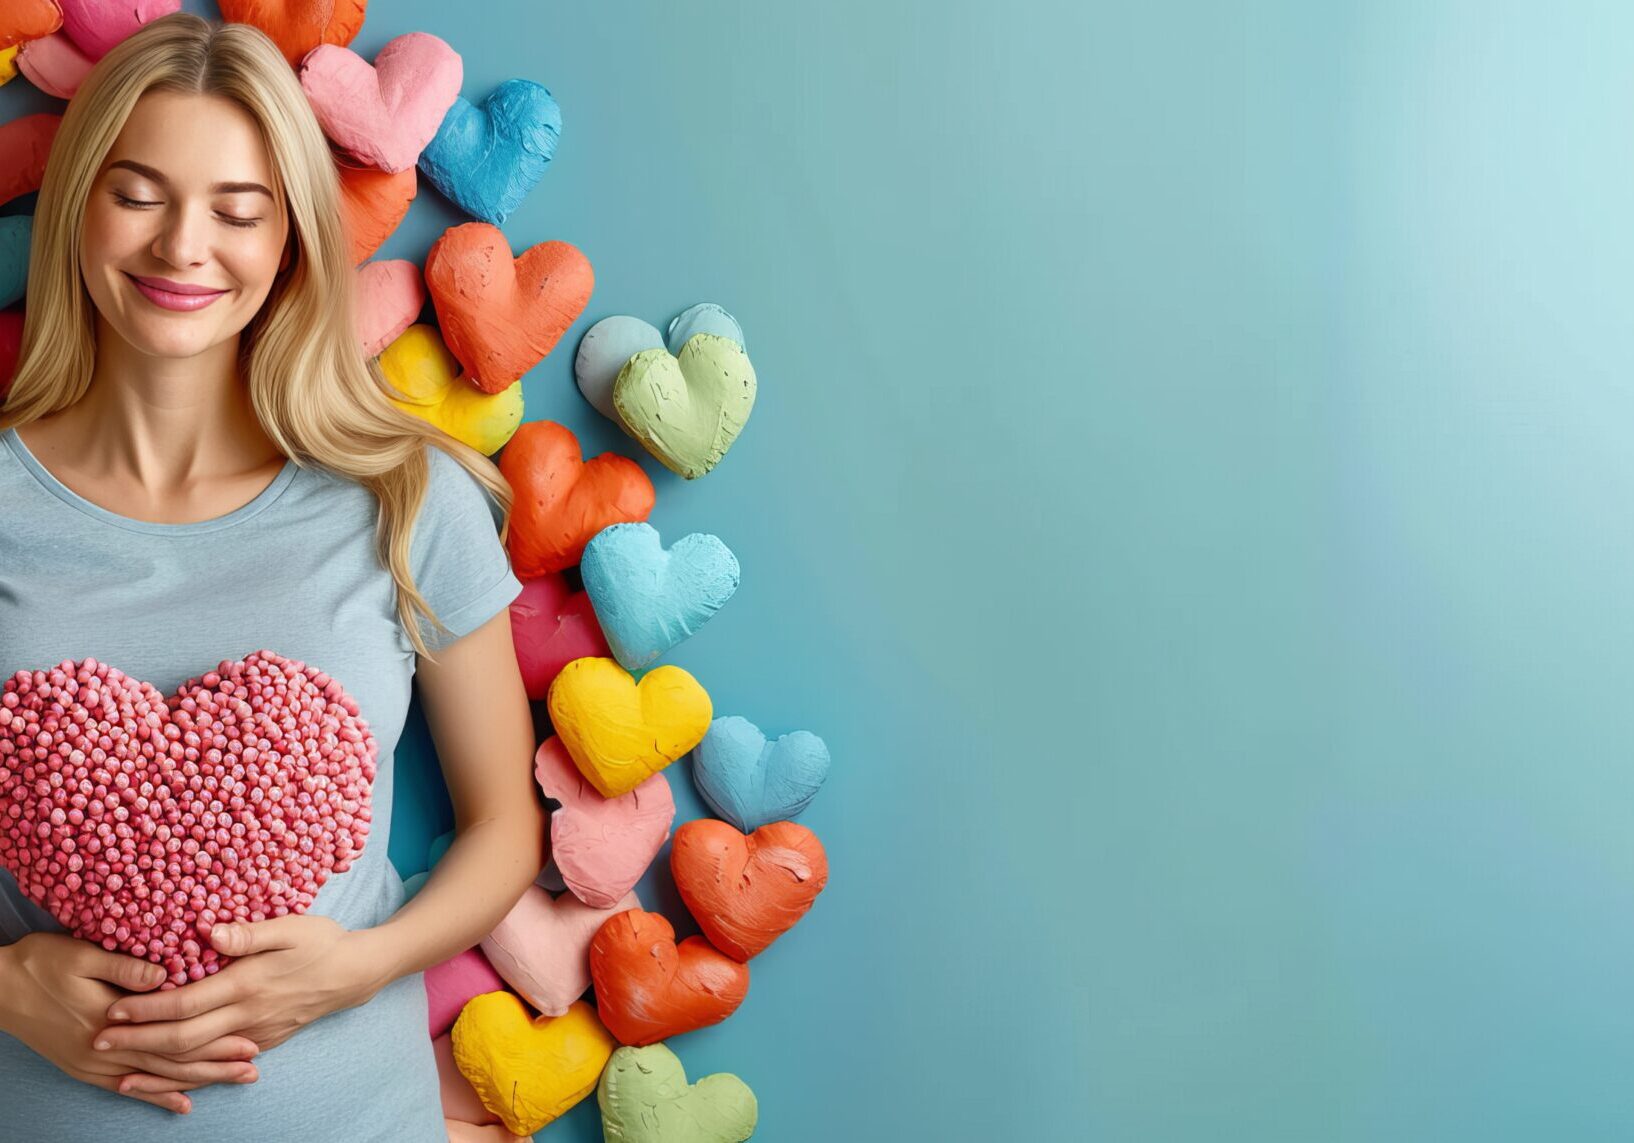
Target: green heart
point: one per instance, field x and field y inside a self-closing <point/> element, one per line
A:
<point x="645" y="1098"/>
<point x="687" y="410"/>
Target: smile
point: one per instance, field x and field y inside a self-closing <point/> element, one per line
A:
<point x="171" y="300"/>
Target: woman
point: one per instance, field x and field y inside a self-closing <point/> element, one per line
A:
<point x="196" y="463"/>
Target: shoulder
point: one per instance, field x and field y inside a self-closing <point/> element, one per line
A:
<point x="452" y="492"/>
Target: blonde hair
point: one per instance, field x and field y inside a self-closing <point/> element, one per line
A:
<point x="319" y="399"/>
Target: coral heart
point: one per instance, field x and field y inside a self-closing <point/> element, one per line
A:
<point x="372" y="203"/>
<point x="11" y="344"/>
<point x="687" y="410"/>
<point x="54" y="64"/>
<point x="95" y="26"/>
<point x="298" y="26"/>
<point x="621" y="732"/>
<point x="390" y="296"/>
<point x="561" y="500"/>
<point x="745" y="892"/>
<point x="648" y="988"/>
<point x="648" y="599"/>
<point x="486" y="159"/>
<point x="383" y="115"/>
<point x="140" y="821"/>
<point x="601" y="846"/>
<point x="529" y="1072"/>
<point x="542" y="947"/>
<point x="16" y="232"/>
<point x="751" y="782"/>
<point x="501" y="315"/>
<point x="22" y="20"/>
<point x="551" y="625"/>
<point x="451" y="984"/>
<point x="430" y="386"/>
<point x="645" y="1098"/>
<point x="24" y="144"/>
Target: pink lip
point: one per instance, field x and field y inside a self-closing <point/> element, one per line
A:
<point x="174" y="295"/>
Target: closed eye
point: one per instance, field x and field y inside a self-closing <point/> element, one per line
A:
<point x="139" y="204"/>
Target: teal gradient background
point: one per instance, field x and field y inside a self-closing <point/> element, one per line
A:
<point x="1188" y="491"/>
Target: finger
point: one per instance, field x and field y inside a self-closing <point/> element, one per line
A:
<point x="194" y="999"/>
<point x="241" y="938"/>
<point x="170" y="1101"/>
<point x="128" y="972"/>
<point x="148" y="1082"/>
<point x="173" y="1037"/>
<point x="193" y="1072"/>
<point x="226" y="1048"/>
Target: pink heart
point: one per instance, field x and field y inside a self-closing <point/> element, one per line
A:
<point x="140" y="821"/>
<point x="54" y="64"/>
<point x="97" y="25"/>
<point x="600" y="845"/>
<point x="390" y="295"/>
<point x="542" y="947"/>
<point x="551" y="625"/>
<point x="453" y="982"/>
<point x="383" y="115"/>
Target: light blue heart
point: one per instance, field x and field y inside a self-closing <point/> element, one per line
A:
<point x="705" y="317"/>
<point x="16" y="231"/>
<point x="749" y="781"/>
<point x="486" y="159"/>
<point x="606" y="346"/>
<point x="647" y="599"/>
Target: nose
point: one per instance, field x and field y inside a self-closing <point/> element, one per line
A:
<point x="184" y="237"/>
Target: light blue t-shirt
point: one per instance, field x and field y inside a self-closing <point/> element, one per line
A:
<point x="293" y="572"/>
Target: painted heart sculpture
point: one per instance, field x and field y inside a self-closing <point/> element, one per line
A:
<point x="372" y="203"/>
<point x="16" y="231"/>
<point x="430" y="386"/>
<point x="745" y="892"/>
<point x="95" y="26"/>
<point x="22" y="20"/>
<point x="383" y="114"/>
<point x="54" y="64"/>
<point x="551" y="625"/>
<point x="529" y="1072"/>
<point x="542" y="947"/>
<point x="687" y="410"/>
<point x="24" y="144"/>
<point x="8" y="65"/>
<point x="648" y="599"/>
<point x="140" y="820"/>
<point x="298" y="26"/>
<point x="561" y="500"/>
<point x="501" y="315"/>
<point x="390" y="296"/>
<point x="705" y="317"/>
<point x="611" y="342"/>
<point x="601" y="846"/>
<point x="648" y="988"/>
<point x="621" y="732"/>
<point x="486" y="159"/>
<point x="451" y="985"/>
<point x="645" y="1098"/>
<point x="752" y="782"/>
<point x="11" y="344"/>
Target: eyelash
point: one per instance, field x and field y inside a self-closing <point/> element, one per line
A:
<point x="139" y="203"/>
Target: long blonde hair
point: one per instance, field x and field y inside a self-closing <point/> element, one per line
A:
<point x="319" y="399"/>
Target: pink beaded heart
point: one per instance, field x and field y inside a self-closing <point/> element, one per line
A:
<point x="140" y="822"/>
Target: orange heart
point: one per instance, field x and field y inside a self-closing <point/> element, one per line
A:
<point x="22" y="20"/>
<point x="562" y="500"/>
<point x="501" y="315"/>
<point x="25" y="142"/>
<point x="372" y="203"/>
<point x="746" y="891"/>
<point x="648" y="988"/>
<point x="298" y="26"/>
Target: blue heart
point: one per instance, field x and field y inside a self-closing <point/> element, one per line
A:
<point x="16" y="231"/>
<point x="705" y="317"/>
<point x="749" y="781"/>
<point x="646" y="599"/>
<point x="603" y="350"/>
<point x="485" y="160"/>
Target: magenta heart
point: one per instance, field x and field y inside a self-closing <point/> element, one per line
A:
<point x="601" y="846"/>
<point x="140" y="821"/>
<point x="383" y="115"/>
<point x="551" y="625"/>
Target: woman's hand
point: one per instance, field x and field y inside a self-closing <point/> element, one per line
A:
<point x="287" y="972"/>
<point x="58" y="989"/>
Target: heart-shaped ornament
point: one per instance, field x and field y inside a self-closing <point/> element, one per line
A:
<point x="542" y="947"/>
<point x="645" y="1098"/>
<point x="603" y="350"/>
<point x="648" y="988"/>
<point x="11" y="345"/>
<point x="451" y="984"/>
<point x="298" y="26"/>
<point x="96" y="26"/>
<point x="687" y="410"/>
<point x="24" y="144"/>
<point x="551" y="625"/>
<point x="529" y="1072"/>
<point x="16" y="232"/>
<point x="54" y="64"/>
<point x="745" y="892"/>
<point x="752" y="782"/>
<point x="390" y="296"/>
<point x="705" y="317"/>
<point x="23" y="20"/>
<point x="601" y="846"/>
<point x="620" y="732"/>
<point x="141" y="821"/>
<point x="383" y="114"/>
<point x="372" y="203"/>
<point x="486" y="159"/>
<point x="648" y="599"/>
<point x="430" y="386"/>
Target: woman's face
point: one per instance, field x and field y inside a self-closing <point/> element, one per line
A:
<point x="185" y="200"/>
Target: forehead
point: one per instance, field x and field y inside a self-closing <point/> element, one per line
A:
<point x="196" y="140"/>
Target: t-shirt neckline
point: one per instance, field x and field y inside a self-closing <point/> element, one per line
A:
<point x="68" y="496"/>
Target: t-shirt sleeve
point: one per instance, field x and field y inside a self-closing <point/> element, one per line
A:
<point x="455" y="553"/>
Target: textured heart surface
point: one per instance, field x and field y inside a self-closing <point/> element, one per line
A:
<point x="645" y="1098"/>
<point x="752" y="782"/>
<point x="551" y="625"/>
<point x="745" y="892"/>
<point x="383" y="114"/>
<point x="372" y="203"/>
<point x="601" y="846"/>
<point x="22" y="20"/>
<point x="501" y="315"/>
<point x="430" y="386"/>
<point x="621" y="732"/>
<point x="647" y="598"/>
<point x="529" y="1072"/>
<point x="562" y="500"/>
<point x="54" y="64"/>
<point x="24" y="144"/>
<point x="95" y="26"/>
<point x="451" y="984"/>
<point x="141" y="821"/>
<point x="705" y="317"/>
<point x="390" y="296"/>
<point x="687" y="410"/>
<point x="298" y="26"/>
<point x="648" y="988"/>
<point x="542" y="947"/>
<point x="603" y="350"/>
<point x="486" y="159"/>
<point x="16" y="231"/>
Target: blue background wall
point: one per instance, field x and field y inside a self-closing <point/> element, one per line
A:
<point x="1189" y="493"/>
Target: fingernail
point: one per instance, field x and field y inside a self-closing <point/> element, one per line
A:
<point x="117" y="1014"/>
<point x="103" y="1045"/>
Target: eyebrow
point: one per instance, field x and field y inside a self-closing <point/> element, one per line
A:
<point x="157" y="176"/>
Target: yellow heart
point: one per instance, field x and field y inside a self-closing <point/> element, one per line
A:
<point x="8" y="63"/>
<point x="428" y="382"/>
<point x="620" y="732"/>
<point x="526" y="1071"/>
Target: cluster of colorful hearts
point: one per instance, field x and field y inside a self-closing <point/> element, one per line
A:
<point x="139" y="820"/>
